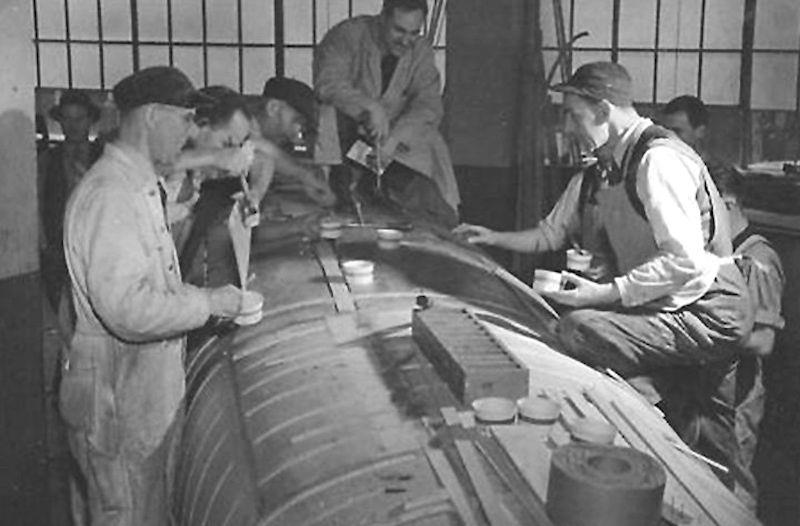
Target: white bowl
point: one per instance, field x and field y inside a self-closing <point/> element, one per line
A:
<point x="578" y="260"/>
<point x="252" y="303"/>
<point x="358" y="267"/>
<point x="330" y="229"/>
<point x="546" y="281"/>
<point x="494" y="409"/>
<point x="538" y="409"/>
<point x="389" y="238"/>
<point x="593" y="430"/>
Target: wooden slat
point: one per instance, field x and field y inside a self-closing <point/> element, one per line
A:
<point x="444" y="471"/>
<point x="330" y="266"/>
<point x="490" y="502"/>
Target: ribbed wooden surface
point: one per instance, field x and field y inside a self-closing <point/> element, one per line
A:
<point x="313" y="416"/>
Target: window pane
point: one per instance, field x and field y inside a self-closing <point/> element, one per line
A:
<point x="724" y="20"/>
<point x="721" y="72"/>
<point x="774" y="81"/>
<point x="329" y="13"/>
<point x="366" y="7"/>
<point x="258" y="21"/>
<point x="116" y="19"/>
<point x="548" y="23"/>
<point x="54" y="65"/>
<point x="640" y="66"/>
<point x="221" y="20"/>
<point x="680" y="24"/>
<point x="189" y="59"/>
<point x="223" y="66"/>
<point x="777" y="24"/>
<point x="117" y="62"/>
<point x="594" y="16"/>
<point x="82" y="19"/>
<point x="153" y="19"/>
<point x="298" y="64"/>
<point x="259" y="66"/>
<point x="153" y="56"/>
<point x="297" y="22"/>
<point x="637" y="23"/>
<point x="582" y="57"/>
<point x="51" y="19"/>
<point x="187" y="20"/>
<point x="677" y="75"/>
<point x="85" y="66"/>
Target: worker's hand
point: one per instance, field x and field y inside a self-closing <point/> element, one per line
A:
<point x="233" y="160"/>
<point x="377" y="122"/>
<point x="225" y="302"/>
<point x="476" y="234"/>
<point x="580" y="292"/>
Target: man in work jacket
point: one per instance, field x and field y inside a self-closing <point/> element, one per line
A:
<point x="378" y="73"/>
<point x="679" y="299"/>
<point x="123" y="379"/>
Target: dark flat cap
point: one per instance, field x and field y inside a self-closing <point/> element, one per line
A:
<point x="158" y="84"/>
<point x="75" y="97"/>
<point x="296" y="94"/>
<point x="601" y="81"/>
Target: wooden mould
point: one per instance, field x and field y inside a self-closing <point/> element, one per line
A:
<point x="466" y="356"/>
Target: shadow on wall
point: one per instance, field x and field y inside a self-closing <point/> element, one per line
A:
<point x="18" y="224"/>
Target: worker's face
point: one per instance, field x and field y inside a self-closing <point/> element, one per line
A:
<point x="680" y="124"/>
<point x="169" y="128"/>
<point x="588" y="121"/>
<point x="75" y="122"/>
<point x="401" y="29"/>
<point x="282" y="123"/>
<point x="232" y="133"/>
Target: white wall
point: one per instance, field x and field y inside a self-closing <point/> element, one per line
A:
<point x="18" y="225"/>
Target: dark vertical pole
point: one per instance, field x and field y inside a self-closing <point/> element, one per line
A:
<point x="571" y="33"/>
<point x="280" y="58"/>
<point x="350" y="8"/>
<point x="68" y="42"/>
<point x="100" y="54"/>
<point x="239" y="41"/>
<point x="204" y="15"/>
<point x="615" y="31"/>
<point x="135" y="33"/>
<point x="700" y="46"/>
<point x="36" y="42"/>
<point x="746" y="79"/>
<point x="170" y="36"/>
<point x="655" y="52"/>
<point x="313" y="22"/>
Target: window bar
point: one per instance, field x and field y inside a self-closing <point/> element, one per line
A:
<point x="700" y="46"/>
<point x="571" y="33"/>
<point x="204" y="14"/>
<point x="135" y="33"/>
<point x="655" y="52"/>
<point x="100" y="54"/>
<point x="170" y="37"/>
<point x="280" y="44"/>
<point x="36" y="42"/>
<point x="746" y="79"/>
<point x="350" y="8"/>
<point x="314" y="22"/>
<point x="68" y="43"/>
<point x="239" y="39"/>
<point x="615" y="32"/>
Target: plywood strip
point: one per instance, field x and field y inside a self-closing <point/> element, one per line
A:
<point x="444" y="471"/>
<point x="333" y="274"/>
<point x="490" y="502"/>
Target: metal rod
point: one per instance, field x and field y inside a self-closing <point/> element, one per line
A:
<point x="204" y="14"/>
<point x="68" y="42"/>
<point x="655" y="51"/>
<point x="280" y="40"/>
<point x="135" y="33"/>
<point x="239" y="40"/>
<point x="694" y="454"/>
<point x="170" y="35"/>
<point x="615" y="31"/>
<point x="746" y="79"/>
<point x="701" y="45"/>
<point x="36" y="44"/>
<point x="100" y="52"/>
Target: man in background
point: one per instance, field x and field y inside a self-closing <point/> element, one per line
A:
<point x="122" y="388"/>
<point x="377" y="77"/>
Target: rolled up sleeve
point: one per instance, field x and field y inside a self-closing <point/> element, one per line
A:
<point x="120" y="267"/>
<point x="424" y="108"/>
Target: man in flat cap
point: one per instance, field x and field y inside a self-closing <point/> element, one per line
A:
<point x="377" y="80"/>
<point x="678" y="300"/>
<point x="123" y="378"/>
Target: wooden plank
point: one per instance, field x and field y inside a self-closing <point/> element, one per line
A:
<point x="483" y="487"/>
<point x="444" y="471"/>
<point x="338" y="287"/>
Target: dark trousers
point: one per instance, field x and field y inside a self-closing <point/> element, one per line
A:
<point x="689" y="354"/>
